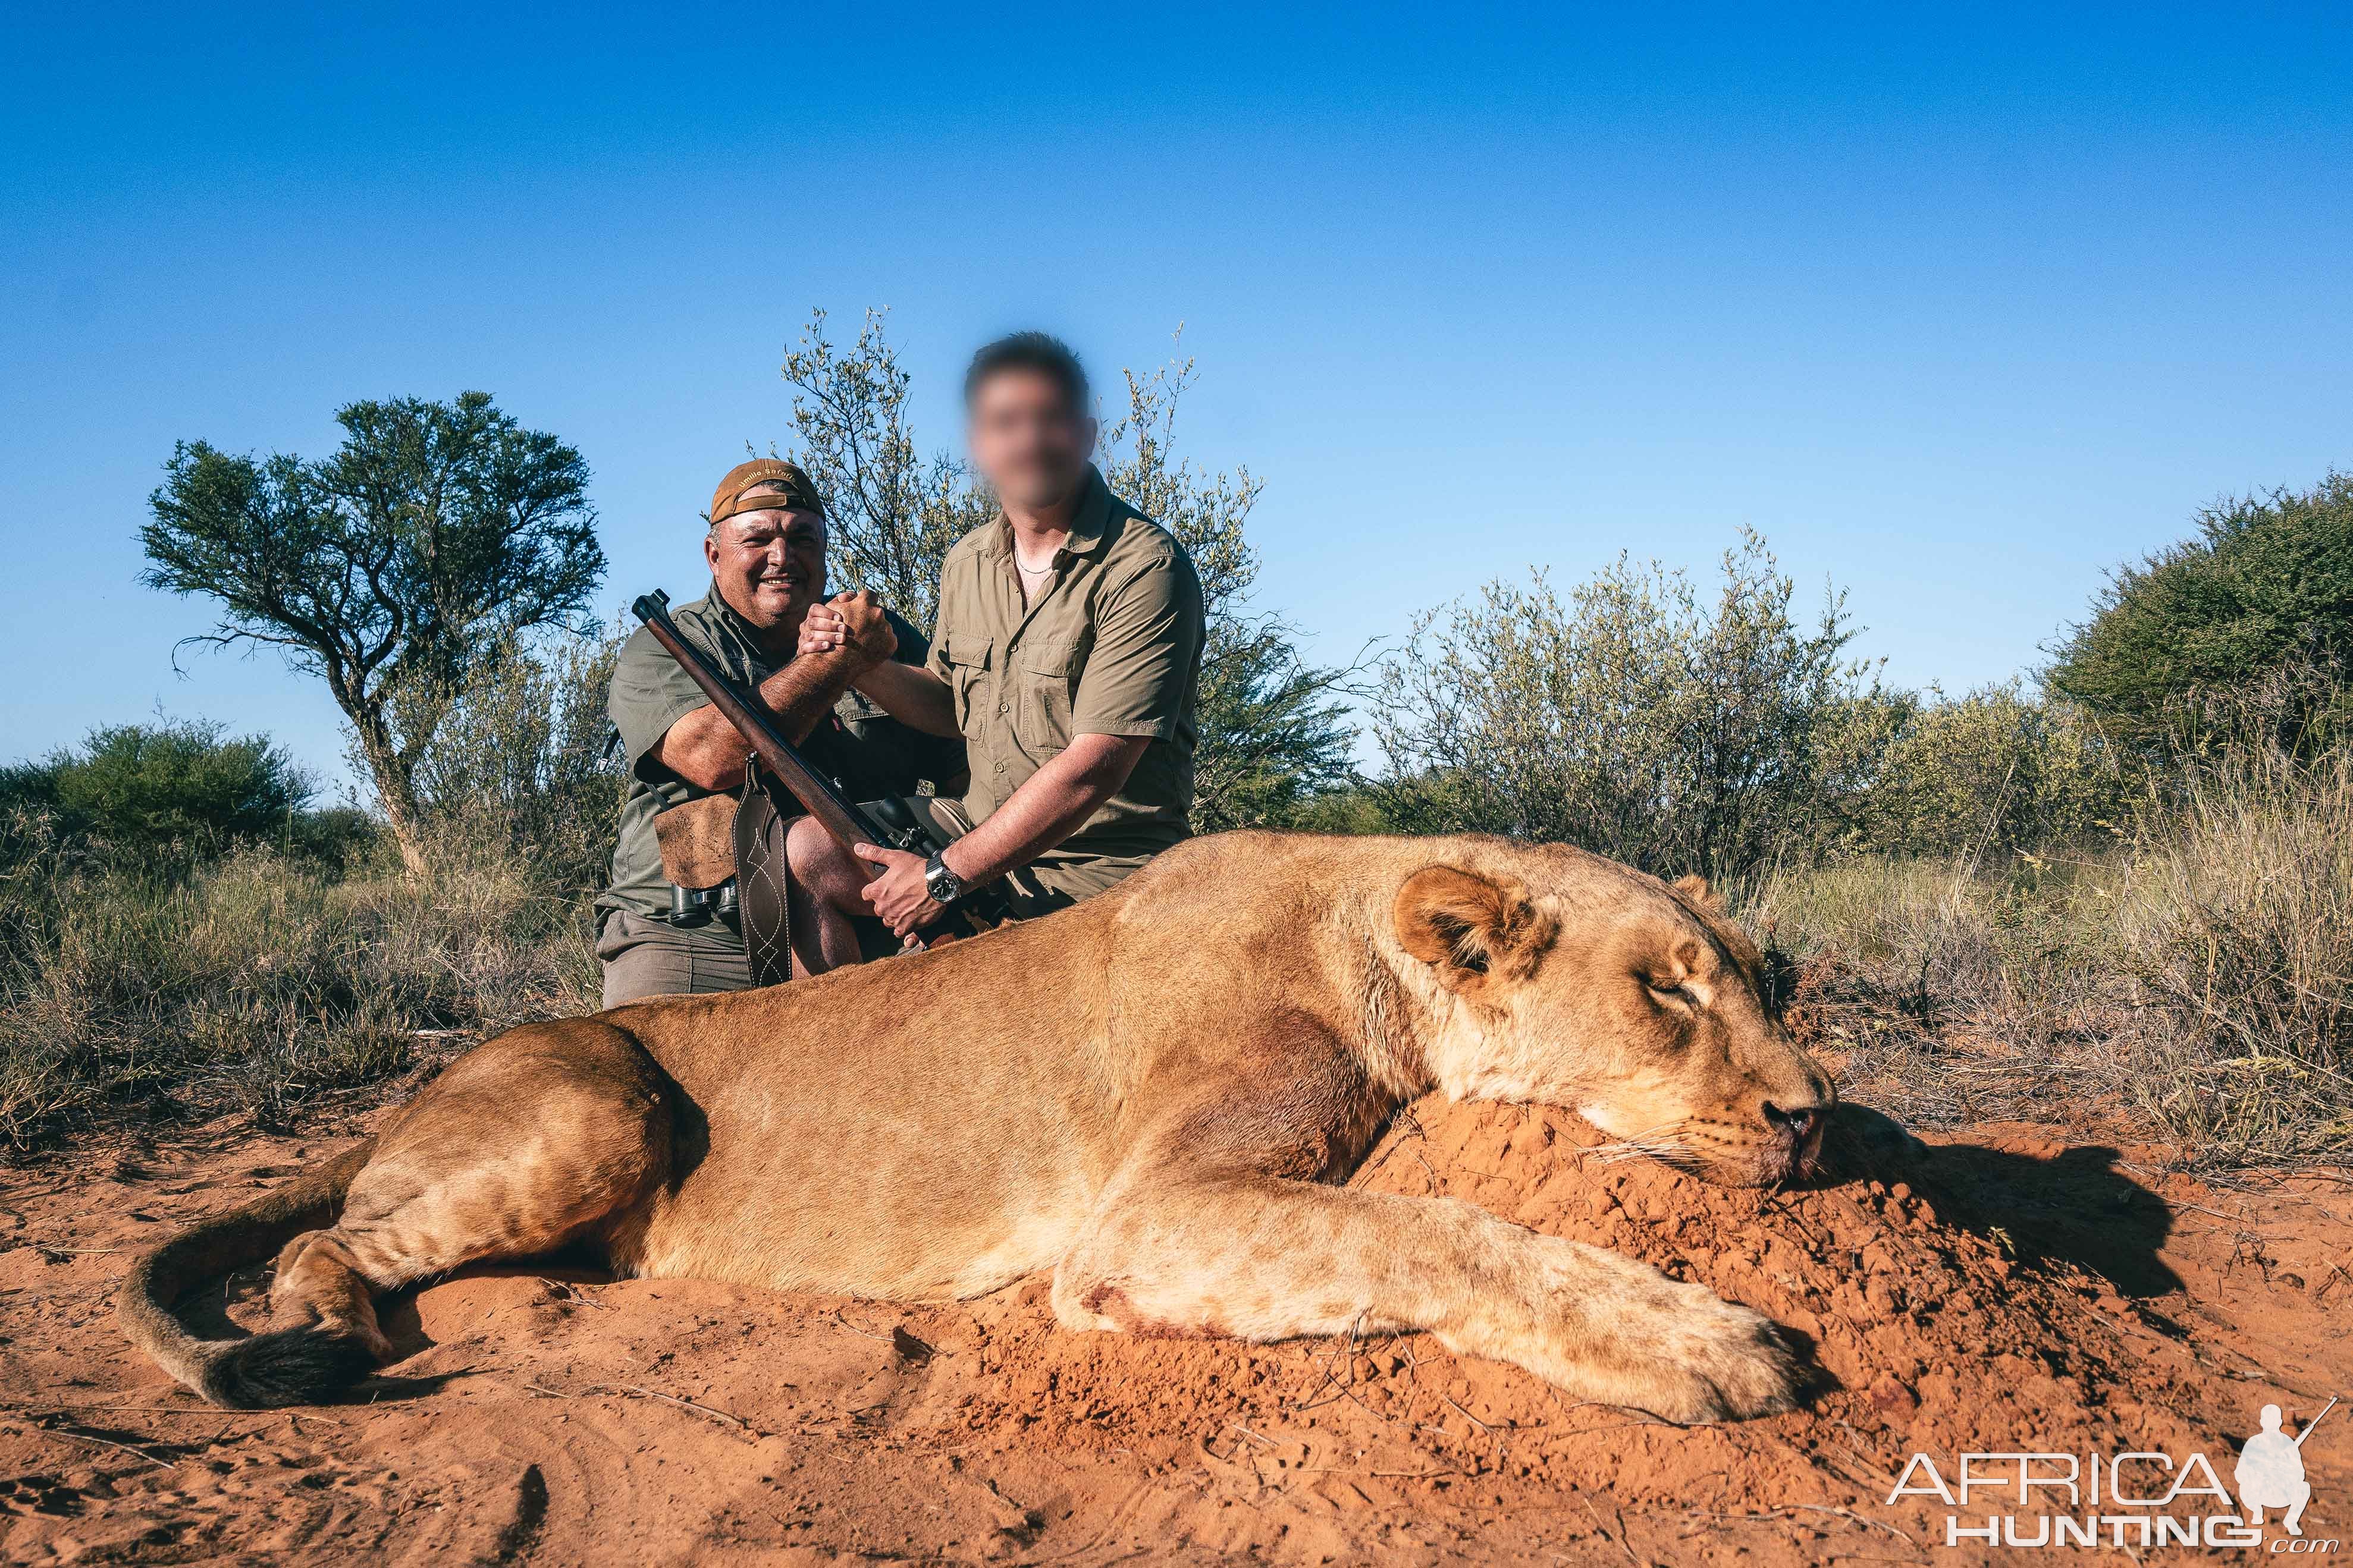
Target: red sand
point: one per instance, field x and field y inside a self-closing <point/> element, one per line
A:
<point x="1993" y="1293"/>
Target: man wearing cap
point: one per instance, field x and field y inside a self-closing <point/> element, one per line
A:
<point x="1067" y="657"/>
<point x="766" y="548"/>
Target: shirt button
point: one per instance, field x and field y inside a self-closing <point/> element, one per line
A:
<point x="1000" y="767"/>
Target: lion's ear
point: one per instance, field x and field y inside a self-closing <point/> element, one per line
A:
<point x="1695" y="888"/>
<point x="1474" y="932"/>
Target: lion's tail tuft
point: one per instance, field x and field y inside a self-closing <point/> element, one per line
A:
<point x="283" y="1366"/>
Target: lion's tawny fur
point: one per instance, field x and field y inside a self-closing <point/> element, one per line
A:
<point x="1151" y="1094"/>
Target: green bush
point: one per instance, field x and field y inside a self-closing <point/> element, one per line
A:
<point x="1993" y="774"/>
<point x="338" y="841"/>
<point x="2261" y="597"/>
<point x="1634" y="720"/>
<point x="518" y="772"/>
<point x="165" y="786"/>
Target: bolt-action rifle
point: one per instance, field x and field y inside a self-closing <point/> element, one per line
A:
<point x="890" y="824"/>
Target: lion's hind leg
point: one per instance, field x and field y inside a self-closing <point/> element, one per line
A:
<point x="547" y="1135"/>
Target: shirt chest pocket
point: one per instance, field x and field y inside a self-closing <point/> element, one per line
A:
<point x="1046" y="680"/>
<point x="969" y="660"/>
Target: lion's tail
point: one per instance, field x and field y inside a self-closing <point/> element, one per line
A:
<point x="282" y="1366"/>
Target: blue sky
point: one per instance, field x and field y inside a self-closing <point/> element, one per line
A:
<point x="1959" y="307"/>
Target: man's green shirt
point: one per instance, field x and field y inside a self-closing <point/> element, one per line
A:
<point x="1111" y="646"/>
<point x="870" y="753"/>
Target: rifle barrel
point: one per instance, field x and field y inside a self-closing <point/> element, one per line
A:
<point x="842" y="820"/>
<point x="760" y="732"/>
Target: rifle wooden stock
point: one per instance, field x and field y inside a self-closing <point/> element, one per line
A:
<point x="844" y="822"/>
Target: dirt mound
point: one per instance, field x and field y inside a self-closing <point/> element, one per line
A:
<point x="1927" y="1315"/>
<point x="1933" y="1329"/>
<point x="1996" y="1293"/>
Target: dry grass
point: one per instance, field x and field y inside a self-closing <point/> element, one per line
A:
<point x="2200" y="974"/>
<point x="260" y="983"/>
<point x="2195" y="974"/>
<point x="2235" y="928"/>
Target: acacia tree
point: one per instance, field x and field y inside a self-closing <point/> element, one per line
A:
<point x="432" y="539"/>
<point x="1273" y="730"/>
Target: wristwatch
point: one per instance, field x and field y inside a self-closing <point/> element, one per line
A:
<point x="945" y="886"/>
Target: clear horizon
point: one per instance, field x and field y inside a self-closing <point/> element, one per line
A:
<point x="1958" y="312"/>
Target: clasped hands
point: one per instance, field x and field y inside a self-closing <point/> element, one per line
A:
<point x="853" y="621"/>
<point x="856" y="622"/>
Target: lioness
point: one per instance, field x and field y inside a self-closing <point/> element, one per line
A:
<point x="1151" y="1093"/>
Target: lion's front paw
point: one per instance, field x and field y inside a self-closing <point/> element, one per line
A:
<point x="1620" y="1332"/>
<point x="1715" y="1360"/>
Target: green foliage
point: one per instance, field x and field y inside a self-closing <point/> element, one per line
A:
<point x="1346" y="808"/>
<point x="520" y="765"/>
<point x="1273" y="729"/>
<point x="1990" y="774"/>
<point x="29" y="786"/>
<point x="176" y="787"/>
<point x="1274" y="734"/>
<point x="2264" y="594"/>
<point x="438" y="534"/>
<point x="142" y="784"/>
<point x="337" y="841"/>
<point x="1634" y="720"/>
<point x="891" y="513"/>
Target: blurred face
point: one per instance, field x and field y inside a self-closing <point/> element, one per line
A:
<point x="1028" y="441"/>
<point x="769" y="565"/>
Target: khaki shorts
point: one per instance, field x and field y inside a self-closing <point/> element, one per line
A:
<point x="1047" y="885"/>
<point x="647" y="957"/>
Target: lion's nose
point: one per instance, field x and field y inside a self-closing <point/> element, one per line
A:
<point x="1799" y="1122"/>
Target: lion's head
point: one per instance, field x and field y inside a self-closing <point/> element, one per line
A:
<point x="1568" y="980"/>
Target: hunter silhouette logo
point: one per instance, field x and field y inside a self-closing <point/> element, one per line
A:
<point x="2270" y="1472"/>
<point x="2136" y="1498"/>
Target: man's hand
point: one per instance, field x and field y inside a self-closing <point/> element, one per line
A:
<point x="898" y="895"/>
<point x="854" y="621"/>
<point x="704" y="750"/>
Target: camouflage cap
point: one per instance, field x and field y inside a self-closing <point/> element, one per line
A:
<point x="792" y="485"/>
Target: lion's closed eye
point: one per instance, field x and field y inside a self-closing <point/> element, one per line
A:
<point x="1677" y="998"/>
<point x="1687" y="996"/>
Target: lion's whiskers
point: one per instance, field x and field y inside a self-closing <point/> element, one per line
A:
<point x="1666" y="1143"/>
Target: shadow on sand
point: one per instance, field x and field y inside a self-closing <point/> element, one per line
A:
<point x="2074" y="1207"/>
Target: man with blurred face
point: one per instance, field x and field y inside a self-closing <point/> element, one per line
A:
<point x="1067" y="657"/>
<point x="764" y="546"/>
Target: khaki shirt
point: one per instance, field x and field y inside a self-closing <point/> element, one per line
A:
<point x="1111" y="646"/>
<point x="870" y="753"/>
